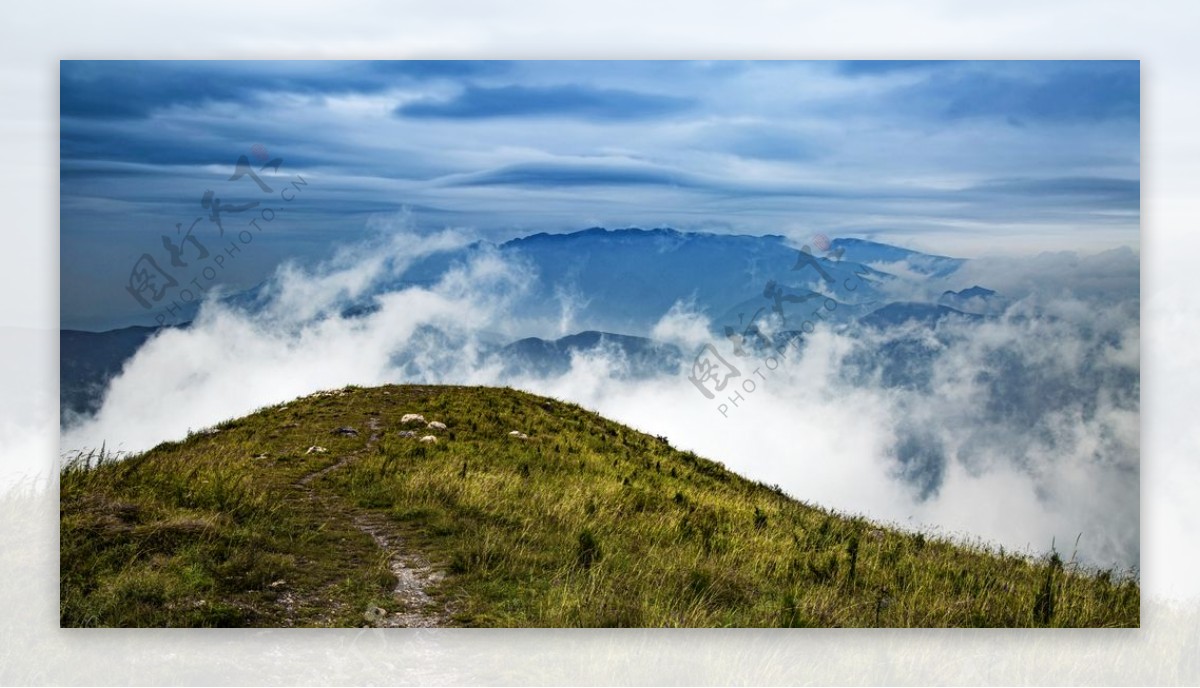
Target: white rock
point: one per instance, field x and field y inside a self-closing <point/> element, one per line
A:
<point x="411" y="417"/>
<point x="437" y="425"/>
<point x="374" y="614"/>
<point x="429" y="439"/>
<point x="316" y="450"/>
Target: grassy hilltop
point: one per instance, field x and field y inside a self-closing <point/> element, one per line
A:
<point x="318" y="512"/>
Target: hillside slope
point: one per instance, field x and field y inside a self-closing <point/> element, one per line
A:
<point x="320" y="512"/>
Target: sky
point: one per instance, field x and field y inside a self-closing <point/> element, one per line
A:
<point x="958" y="158"/>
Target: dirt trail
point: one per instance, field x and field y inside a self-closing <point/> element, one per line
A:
<point x="414" y="575"/>
<point x="304" y="482"/>
<point x="413" y="608"/>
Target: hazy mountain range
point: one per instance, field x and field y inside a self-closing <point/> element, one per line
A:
<point x="618" y="284"/>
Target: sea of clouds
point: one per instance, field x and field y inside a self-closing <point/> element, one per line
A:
<point x="1021" y="429"/>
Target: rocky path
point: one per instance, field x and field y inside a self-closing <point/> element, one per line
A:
<point x="413" y="606"/>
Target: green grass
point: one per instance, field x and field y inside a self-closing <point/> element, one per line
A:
<point x="585" y="523"/>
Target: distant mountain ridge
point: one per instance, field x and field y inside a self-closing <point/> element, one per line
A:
<point x="975" y="299"/>
<point x="924" y="313"/>
<point x="643" y="356"/>
<point x="619" y="284"/>
<point x="865" y="251"/>
<point x="89" y="360"/>
<point x="625" y="280"/>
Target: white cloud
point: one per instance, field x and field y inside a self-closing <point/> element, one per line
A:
<point x="1020" y="436"/>
<point x="683" y="326"/>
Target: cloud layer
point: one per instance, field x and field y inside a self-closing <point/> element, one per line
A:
<point x="1021" y="429"/>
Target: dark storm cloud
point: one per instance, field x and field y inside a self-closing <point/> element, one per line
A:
<point x="875" y="67"/>
<point x="1120" y="193"/>
<point x="551" y="175"/>
<point x="1023" y="92"/>
<point x="135" y="89"/>
<point x="480" y="102"/>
